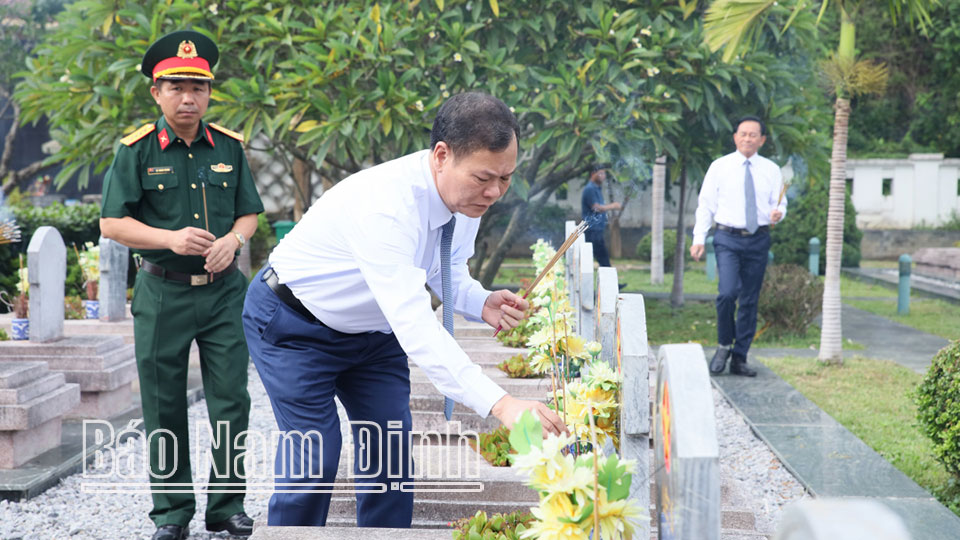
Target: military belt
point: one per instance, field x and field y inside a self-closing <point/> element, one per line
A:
<point x="193" y="279"/>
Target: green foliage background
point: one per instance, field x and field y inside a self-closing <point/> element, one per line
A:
<point x="807" y="217"/>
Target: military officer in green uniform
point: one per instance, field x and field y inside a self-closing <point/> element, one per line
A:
<point x="180" y="193"/>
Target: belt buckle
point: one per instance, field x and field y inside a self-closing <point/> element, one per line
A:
<point x="198" y="279"/>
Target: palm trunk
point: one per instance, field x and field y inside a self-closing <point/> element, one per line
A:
<point x="616" y="242"/>
<point x="831" y="335"/>
<point x="656" y="229"/>
<point x="676" y="293"/>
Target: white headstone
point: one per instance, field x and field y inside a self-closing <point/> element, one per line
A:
<point x="569" y="227"/>
<point x="574" y="283"/>
<point x="632" y="355"/>
<point x="606" y="310"/>
<point x="849" y="519"/>
<point x="585" y="284"/>
<point x="686" y="452"/>
<point x="47" y="273"/>
<point x="114" y="263"/>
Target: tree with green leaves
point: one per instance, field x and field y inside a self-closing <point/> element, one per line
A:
<point x="734" y="24"/>
<point x="330" y="88"/>
<point x="22" y="26"/>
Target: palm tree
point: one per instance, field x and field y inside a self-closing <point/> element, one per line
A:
<point x="734" y="24"/>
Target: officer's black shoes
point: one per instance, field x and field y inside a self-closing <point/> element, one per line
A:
<point x="738" y="366"/>
<point x="719" y="362"/>
<point x="239" y="524"/>
<point x="171" y="532"/>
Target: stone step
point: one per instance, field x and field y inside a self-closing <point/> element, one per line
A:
<point x="434" y="421"/>
<point x="520" y="388"/>
<point x="39" y="409"/>
<point x="86" y="345"/>
<point x="427" y="511"/>
<point x="14" y="374"/>
<point x="347" y="531"/>
<point x="32" y="389"/>
<point x="109" y="378"/>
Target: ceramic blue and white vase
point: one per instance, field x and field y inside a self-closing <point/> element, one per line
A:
<point x="92" y="308"/>
<point x="20" y="329"/>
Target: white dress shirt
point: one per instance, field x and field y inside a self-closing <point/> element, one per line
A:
<point x="359" y="258"/>
<point x="722" y="194"/>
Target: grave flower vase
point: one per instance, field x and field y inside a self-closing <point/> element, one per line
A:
<point x="20" y="329"/>
<point x="92" y="309"/>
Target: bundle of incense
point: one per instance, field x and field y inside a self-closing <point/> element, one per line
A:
<point x="9" y="231"/>
<point x="783" y="191"/>
<point x="556" y="257"/>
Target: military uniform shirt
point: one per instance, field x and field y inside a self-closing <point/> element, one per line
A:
<point x="158" y="180"/>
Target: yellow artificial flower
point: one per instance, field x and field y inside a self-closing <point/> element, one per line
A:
<point x="548" y="525"/>
<point x="617" y="517"/>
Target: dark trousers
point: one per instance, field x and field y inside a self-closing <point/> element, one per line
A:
<point x="741" y="263"/>
<point x="303" y="365"/>
<point x="167" y="316"/>
<point x="599" y="246"/>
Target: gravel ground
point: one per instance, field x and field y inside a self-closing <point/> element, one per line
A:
<point x="756" y="478"/>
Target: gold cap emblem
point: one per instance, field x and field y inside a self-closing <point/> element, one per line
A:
<point x="187" y="49"/>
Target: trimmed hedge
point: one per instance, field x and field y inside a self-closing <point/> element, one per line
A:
<point x="669" y="249"/>
<point x="790" y="300"/>
<point x="938" y="406"/>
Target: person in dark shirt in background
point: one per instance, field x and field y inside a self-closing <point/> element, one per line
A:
<point x="594" y="212"/>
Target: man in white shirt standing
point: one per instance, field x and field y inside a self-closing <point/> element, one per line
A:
<point x="341" y="307"/>
<point x="740" y="194"/>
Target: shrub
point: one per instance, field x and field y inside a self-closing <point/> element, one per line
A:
<point x="938" y="406"/>
<point x="790" y="300"/>
<point x="806" y="218"/>
<point x="669" y="248"/>
<point x="496" y="527"/>
<point x="261" y="243"/>
<point x="517" y="367"/>
<point x="495" y="447"/>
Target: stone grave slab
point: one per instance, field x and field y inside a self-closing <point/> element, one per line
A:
<point x="103" y="366"/>
<point x="938" y="262"/>
<point x="32" y="403"/>
<point x="686" y="451"/>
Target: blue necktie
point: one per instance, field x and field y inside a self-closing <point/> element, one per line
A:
<point x="750" y="198"/>
<point x="446" y="238"/>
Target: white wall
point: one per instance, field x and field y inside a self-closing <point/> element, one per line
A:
<point x="923" y="191"/>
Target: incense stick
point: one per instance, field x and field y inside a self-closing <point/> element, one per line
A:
<point x="556" y="257"/>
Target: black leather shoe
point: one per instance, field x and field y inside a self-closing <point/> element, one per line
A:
<point x="719" y="362"/>
<point x="239" y="524"/>
<point x="738" y="366"/>
<point x="171" y="532"/>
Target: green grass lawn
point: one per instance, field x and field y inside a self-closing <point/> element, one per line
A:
<point x="936" y="317"/>
<point x="697" y="322"/>
<point x="872" y="399"/>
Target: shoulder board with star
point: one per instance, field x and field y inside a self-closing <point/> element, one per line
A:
<point x="140" y="133"/>
<point x="227" y="132"/>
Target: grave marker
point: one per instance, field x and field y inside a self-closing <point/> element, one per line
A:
<point x="47" y="273"/>
<point x="588" y="316"/>
<point x="686" y="452"/>
<point x="849" y="519"/>
<point x="114" y="262"/>
<point x="632" y="359"/>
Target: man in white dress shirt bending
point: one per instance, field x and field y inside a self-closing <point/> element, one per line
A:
<point x="740" y="194"/>
<point x="341" y="306"/>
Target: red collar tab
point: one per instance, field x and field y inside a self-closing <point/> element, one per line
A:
<point x="163" y="138"/>
<point x="209" y="138"/>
